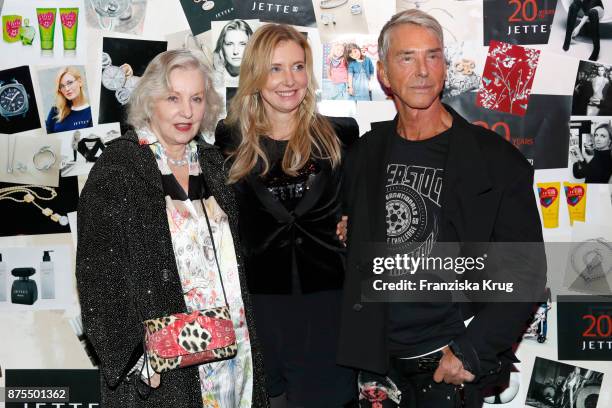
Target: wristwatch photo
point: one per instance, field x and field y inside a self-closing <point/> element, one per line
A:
<point x="115" y="79"/>
<point x="13" y="99"/>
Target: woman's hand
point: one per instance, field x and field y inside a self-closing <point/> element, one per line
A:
<point x="127" y="68"/>
<point x="152" y="382"/>
<point x="342" y="229"/>
<point x="575" y="154"/>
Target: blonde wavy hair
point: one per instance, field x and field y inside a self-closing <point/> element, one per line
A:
<point x="155" y="84"/>
<point x="313" y="136"/>
<point x="63" y="105"/>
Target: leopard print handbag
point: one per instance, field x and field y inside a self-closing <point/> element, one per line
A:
<point x="185" y="339"/>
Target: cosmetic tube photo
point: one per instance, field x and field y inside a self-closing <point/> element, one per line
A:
<point x="549" y="203"/>
<point x="46" y="26"/>
<point x="69" y="18"/>
<point x="575" y="194"/>
<point x="11" y="26"/>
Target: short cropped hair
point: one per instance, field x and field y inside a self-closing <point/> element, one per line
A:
<point x="412" y="16"/>
<point x="155" y="84"/>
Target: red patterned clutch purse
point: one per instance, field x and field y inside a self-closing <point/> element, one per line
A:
<point x="186" y="339"/>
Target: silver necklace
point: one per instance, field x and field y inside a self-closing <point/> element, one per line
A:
<point x="180" y="162"/>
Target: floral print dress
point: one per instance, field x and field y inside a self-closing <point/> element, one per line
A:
<point x="228" y="383"/>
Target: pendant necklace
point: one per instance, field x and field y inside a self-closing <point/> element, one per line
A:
<point x="31" y="196"/>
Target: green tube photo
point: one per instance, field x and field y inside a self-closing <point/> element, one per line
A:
<point x="46" y="26"/>
<point x="69" y="17"/>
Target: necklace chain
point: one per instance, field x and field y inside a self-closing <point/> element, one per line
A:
<point x="180" y="162"/>
<point x="30" y="196"/>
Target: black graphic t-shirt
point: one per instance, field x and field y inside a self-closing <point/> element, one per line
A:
<point x="413" y="193"/>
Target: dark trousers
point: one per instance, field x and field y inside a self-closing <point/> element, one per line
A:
<point x="414" y="380"/>
<point x="299" y="339"/>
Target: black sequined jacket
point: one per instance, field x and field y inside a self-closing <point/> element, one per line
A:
<point x="275" y="240"/>
<point x="125" y="258"/>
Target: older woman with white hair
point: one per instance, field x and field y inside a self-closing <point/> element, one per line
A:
<point x="159" y="275"/>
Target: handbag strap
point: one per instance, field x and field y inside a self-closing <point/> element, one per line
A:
<point x="212" y="240"/>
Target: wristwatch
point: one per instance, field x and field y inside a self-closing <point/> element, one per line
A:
<point x="115" y="79"/>
<point x="13" y="99"/>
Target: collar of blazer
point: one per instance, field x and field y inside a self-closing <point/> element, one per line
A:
<point x="466" y="185"/>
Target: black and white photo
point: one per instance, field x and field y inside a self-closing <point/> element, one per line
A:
<point x="123" y="62"/>
<point x="582" y="29"/>
<point x="590" y="151"/>
<point x="592" y="90"/>
<point x="558" y="385"/>
<point x="230" y="40"/>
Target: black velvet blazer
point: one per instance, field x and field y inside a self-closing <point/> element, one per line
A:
<point x="126" y="271"/>
<point x="274" y="239"/>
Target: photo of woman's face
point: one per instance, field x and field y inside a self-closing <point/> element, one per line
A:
<point x="70" y="87"/>
<point x="601" y="140"/>
<point x="233" y="47"/>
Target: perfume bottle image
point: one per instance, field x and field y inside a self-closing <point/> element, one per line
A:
<point x="24" y="290"/>
<point x="27" y="33"/>
<point x="47" y="279"/>
<point x="3" y="279"/>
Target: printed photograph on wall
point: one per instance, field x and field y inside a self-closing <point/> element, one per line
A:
<point x="229" y="40"/>
<point x="583" y="29"/>
<point x="336" y="17"/>
<point x="584" y="324"/>
<point x="122" y="16"/>
<point x="507" y="78"/>
<point x="520" y="22"/>
<point x="18" y="110"/>
<point x="349" y="70"/>
<point x="542" y="135"/>
<point x="81" y="148"/>
<point x="45" y="214"/>
<point x="293" y="12"/>
<point x="31" y="158"/>
<point x="65" y="98"/>
<point x="589" y="264"/>
<point x="36" y="278"/>
<point x="200" y="13"/>
<point x="465" y="62"/>
<point x="558" y="385"/>
<point x="123" y="63"/>
<point x="592" y="90"/>
<point x="590" y="151"/>
<point x="51" y="32"/>
<point x="461" y="20"/>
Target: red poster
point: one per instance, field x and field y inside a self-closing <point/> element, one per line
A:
<point x="507" y="78"/>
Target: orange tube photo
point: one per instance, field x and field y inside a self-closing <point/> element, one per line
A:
<point x="549" y="203"/>
<point x="575" y="194"/>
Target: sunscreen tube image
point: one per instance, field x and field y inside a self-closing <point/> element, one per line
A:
<point x="46" y="26"/>
<point x="69" y="17"/>
<point x="575" y="194"/>
<point x="549" y="203"/>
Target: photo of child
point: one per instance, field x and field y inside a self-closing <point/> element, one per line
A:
<point x="337" y="72"/>
<point x="360" y="71"/>
<point x="349" y="72"/>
